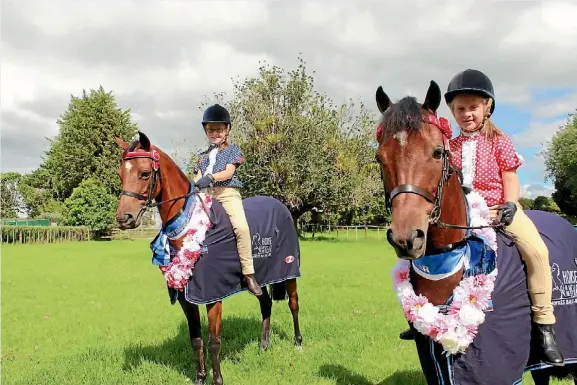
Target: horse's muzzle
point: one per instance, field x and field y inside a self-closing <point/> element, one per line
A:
<point x="126" y="221"/>
<point x="411" y="246"/>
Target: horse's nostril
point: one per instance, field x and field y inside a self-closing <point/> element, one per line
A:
<point x="419" y="234"/>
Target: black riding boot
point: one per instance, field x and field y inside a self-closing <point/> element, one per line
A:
<point x="253" y="286"/>
<point x="551" y="353"/>
<point x="408" y="334"/>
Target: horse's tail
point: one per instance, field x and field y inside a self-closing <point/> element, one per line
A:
<point x="278" y="291"/>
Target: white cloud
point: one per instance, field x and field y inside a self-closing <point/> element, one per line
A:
<point x="161" y="58"/>
<point x="534" y="190"/>
<point x="538" y="133"/>
<point x="559" y="106"/>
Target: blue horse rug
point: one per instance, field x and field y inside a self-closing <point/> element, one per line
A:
<point x="275" y="251"/>
<point x="503" y="348"/>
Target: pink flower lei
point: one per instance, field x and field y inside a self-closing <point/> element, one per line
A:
<point x="179" y="270"/>
<point x="456" y="329"/>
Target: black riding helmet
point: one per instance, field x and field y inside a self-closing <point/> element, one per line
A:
<point x="216" y="114"/>
<point x="470" y="81"/>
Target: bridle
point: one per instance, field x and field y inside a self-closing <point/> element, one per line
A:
<point x="150" y="198"/>
<point x="437" y="197"/>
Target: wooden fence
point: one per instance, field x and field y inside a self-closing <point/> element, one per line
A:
<point x="42" y="234"/>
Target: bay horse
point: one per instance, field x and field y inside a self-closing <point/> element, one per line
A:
<point x="150" y="178"/>
<point x="432" y="235"/>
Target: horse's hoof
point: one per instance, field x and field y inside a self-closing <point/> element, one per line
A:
<point x="263" y="346"/>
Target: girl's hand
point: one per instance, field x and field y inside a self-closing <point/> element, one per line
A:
<point x="205" y="181"/>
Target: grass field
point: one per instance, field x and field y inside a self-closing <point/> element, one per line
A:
<point x="98" y="313"/>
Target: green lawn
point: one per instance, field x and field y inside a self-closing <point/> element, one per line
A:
<point x="98" y="313"/>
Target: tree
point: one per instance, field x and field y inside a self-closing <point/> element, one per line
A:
<point x="561" y="165"/>
<point x="299" y="147"/>
<point x="90" y="205"/>
<point x="541" y="203"/>
<point x="10" y="201"/>
<point x="38" y="196"/>
<point x="85" y="145"/>
<point x="526" y="203"/>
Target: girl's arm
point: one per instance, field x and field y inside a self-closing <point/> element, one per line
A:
<point x="225" y="174"/>
<point x="511" y="186"/>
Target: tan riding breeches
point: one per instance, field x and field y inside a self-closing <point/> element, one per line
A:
<point x="231" y="200"/>
<point x="536" y="256"/>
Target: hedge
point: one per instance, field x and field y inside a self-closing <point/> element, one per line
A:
<point x="41" y="234"/>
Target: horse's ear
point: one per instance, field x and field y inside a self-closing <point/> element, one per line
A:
<point x="144" y="141"/>
<point x="433" y="98"/>
<point x="121" y="143"/>
<point x="383" y="101"/>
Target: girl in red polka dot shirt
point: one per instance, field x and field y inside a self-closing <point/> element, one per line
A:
<point x="489" y="162"/>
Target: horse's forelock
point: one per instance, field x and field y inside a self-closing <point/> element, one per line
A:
<point x="405" y="115"/>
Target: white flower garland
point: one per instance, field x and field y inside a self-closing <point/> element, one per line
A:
<point x="456" y="329"/>
<point x="179" y="270"/>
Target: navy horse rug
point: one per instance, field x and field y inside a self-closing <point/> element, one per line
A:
<point x="501" y="348"/>
<point x="207" y="268"/>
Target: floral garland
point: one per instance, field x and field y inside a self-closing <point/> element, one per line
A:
<point x="456" y="329"/>
<point x="179" y="270"/>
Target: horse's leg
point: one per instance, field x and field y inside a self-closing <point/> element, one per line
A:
<point x="540" y="377"/>
<point x="291" y="286"/>
<point x="214" y="326"/>
<point x="193" y="317"/>
<point x="265" y="309"/>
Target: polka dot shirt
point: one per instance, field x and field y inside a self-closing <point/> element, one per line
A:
<point x="229" y="155"/>
<point x="482" y="161"/>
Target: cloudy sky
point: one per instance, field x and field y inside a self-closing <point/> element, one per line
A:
<point x="160" y="58"/>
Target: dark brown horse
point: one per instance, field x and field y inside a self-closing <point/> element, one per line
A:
<point x="430" y="219"/>
<point x="151" y="178"/>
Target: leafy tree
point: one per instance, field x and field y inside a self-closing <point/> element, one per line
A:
<point x="299" y="147"/>
<point x="85" y="145"/>
<point x="561" y="165"/>
<point x="526" y="203"/>
<point x="541" y="203"/>
<point x="545" y="204"/>
<point x="90" y="205"/>
<point x="10" y="202"/>
<point x="38" y="196"/>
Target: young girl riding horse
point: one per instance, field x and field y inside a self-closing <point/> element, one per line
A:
<point x="217" y="168"/>
<point x="489" y="162"/>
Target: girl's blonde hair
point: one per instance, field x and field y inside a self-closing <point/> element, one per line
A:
<point x="488" y="128"/>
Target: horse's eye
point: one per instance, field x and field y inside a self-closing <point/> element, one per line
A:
<point x="438" y="153"/>
<point x="145" y="175"/>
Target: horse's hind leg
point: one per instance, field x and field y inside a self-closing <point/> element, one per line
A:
<point x="193" y="317"/>
<point x="291" y="286"/>
<point x="214" y="327"/>
<point x="265" y="309"/>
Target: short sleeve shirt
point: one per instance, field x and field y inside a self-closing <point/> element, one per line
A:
<point x="229" y="155"/>
<point x="483" y="161"/>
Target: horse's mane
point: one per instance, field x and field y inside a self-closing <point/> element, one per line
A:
<point x="405" y="115"/>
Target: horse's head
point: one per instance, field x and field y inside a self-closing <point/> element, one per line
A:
<point x="139" y="172"/>
<point x="413" y="153"/>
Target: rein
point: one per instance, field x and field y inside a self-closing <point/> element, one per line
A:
<point x="436" y="199"/>
<point x="149" y="199"/>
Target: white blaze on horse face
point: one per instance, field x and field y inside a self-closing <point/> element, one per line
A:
<point x="401" y="137"/>
<point x="127" y="165"/>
